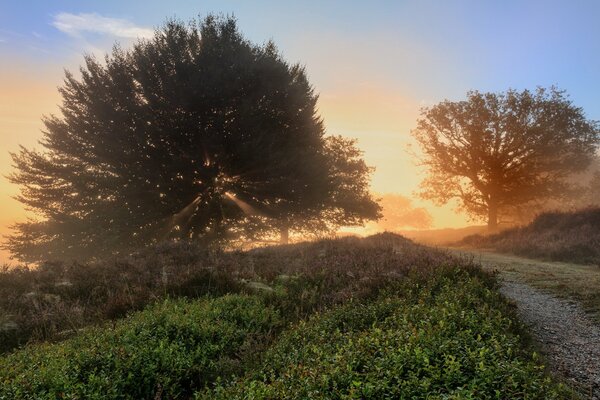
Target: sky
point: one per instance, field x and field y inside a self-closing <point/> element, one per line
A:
<point x="375" y="64"/>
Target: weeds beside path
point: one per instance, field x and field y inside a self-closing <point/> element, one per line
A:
<point x="565" y="280"/>
<point x="549" y="297"/>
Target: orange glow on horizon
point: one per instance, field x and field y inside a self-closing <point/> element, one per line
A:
<point x="25" y="97"/>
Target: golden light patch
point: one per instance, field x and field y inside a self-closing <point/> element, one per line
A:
<point x="25" y="97"/>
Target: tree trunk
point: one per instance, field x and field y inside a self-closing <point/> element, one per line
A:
<point x="492" y="222"/>
<point x="284" y="234"/>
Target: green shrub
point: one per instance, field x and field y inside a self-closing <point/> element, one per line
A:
<point x="165" y="351"/>
<point x="54" y="300"/>
<point x="451" y="338"/>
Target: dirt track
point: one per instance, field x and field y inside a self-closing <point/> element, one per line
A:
<point x="566" y="335"/>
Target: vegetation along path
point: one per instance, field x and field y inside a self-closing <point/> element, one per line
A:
<point x="559" y="302"/>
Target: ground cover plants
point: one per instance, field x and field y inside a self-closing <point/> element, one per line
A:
<point x="450" y="337"/>
<point x="374" y="318"/>
<point x="57" y="299"/>
<point x="164" y="351"/>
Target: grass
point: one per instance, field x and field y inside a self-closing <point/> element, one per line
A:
<point x="567" y="280"/>
<point x="337" y="319"/>
<point x="572" y="237"/>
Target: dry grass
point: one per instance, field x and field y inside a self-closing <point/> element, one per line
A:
<point x="567" y="280"/>
<point x="55" y="300"/>
<point x="572" y="237"/>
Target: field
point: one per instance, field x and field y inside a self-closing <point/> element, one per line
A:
<point x="350" y="318"/>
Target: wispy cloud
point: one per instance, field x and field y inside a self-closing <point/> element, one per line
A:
<point x="77" y="24"/>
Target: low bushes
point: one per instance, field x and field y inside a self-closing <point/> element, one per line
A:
<point x="55" y="300"/>
<point x="450" y="338"/>
<point x="337" y="319"/>
<point x="166" y="351"/>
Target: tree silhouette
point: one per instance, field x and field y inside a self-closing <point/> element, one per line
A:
<point x="193" y="134"/>
<point x="497" y="152"/>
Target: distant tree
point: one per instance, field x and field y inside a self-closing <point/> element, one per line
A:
<point x="498" y="152"/>
<point x="398" y="213"/>
<point x="193" y="134"/>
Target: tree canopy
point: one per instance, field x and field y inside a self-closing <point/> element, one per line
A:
<point x="196" y="134"/>
<point x="499" y="153"/>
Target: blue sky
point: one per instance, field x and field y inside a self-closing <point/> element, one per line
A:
<point x="488" y="45"/>
<point x="374" y="63"/>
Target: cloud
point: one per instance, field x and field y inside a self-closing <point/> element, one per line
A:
<point x="77" y="24"/>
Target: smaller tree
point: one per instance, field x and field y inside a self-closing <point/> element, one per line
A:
<point x="500" y="152"/>
<point x="342" y="198"/>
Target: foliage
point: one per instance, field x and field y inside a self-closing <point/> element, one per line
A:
<point x="165" y="351"/>
<point x="385" y="317"/>
<point x="55" y="300"/>
<point x="451" y="337"/>
<point x="194" y="133"/>
<point x="501" y="153"/>
<point x="561" y="236"/>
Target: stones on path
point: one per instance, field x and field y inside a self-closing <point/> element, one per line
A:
<point x="569" y="340"/>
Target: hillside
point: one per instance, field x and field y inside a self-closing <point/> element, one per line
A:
<point x="370" y="318"/>
<point x="558" y="236"/>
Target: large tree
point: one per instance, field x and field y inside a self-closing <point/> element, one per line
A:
<point x="195" y="134"/>
<point x="500" y="152"/>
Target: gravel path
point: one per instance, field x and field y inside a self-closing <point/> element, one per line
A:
<point x="568" y="339"/>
